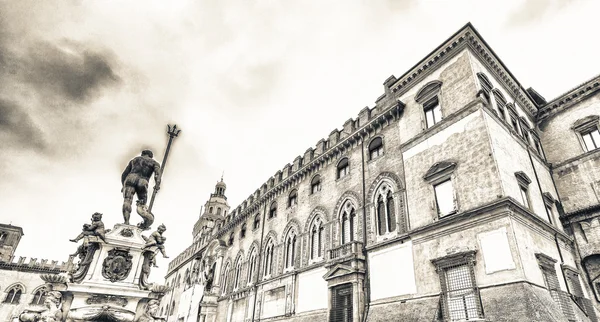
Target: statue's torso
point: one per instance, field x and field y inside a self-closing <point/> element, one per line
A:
<point x="143" y="166"/>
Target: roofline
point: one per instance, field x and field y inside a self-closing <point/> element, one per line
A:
<point x="19" y="229"/>
<point x="570" y="97"/>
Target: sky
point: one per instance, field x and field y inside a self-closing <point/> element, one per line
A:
<point x="86" y="85"/>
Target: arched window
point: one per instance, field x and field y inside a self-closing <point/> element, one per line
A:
<point x="230" y="242"/>
<point x="210" y="210"/>
<point x="428" y="96"/>
<point x="375" y="148"/>
<point x="316" y="239"/>
<point x="348" y="219"/>
<point x="172" y="308"/>
<point x="273" y="210"/>
<point x="178" y="280"/>
<point x="315" y="184"/>
<point x="218" y="210"/>
<point x="290" y="249"/>
<point x="269" y="258"/>
<point x="343" y="168"/>
<point x="38" y="296"/>
<point x="500" y="104"/>
<point x="293" y="198"/>
<point x="486" y="86"/>
<point x="238" y="273"/>
<point x="385" y="210"/>
<point x="13" y="296"/>
<point x="252" y="265"/>
<point x="225" y="278"/>
<point x="256" y="223"/>
<point x="3" y="236"/>
<point x="243" y="231"/>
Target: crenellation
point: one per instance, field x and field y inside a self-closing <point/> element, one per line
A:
<point x="33" y="263"/>
<point x="308" y="155"/>
<point x="364" y="116"/>
<point x="320" y="148"/>
<point x="334" y="138"/>
<point x="349" y="128"/>
<point x="297" y="163"/>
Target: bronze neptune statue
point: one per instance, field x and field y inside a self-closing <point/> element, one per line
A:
<point x="135" y="180"/>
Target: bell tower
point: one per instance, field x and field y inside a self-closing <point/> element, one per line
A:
<point x="215" y="210"/>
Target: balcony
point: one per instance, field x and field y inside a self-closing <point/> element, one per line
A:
<point x="349" y="250"/>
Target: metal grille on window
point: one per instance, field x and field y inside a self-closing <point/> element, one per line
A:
<point x="460" y="294"/>
<point x="560" y="297"/>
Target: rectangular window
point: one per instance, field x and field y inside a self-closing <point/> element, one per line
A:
<point x="591" y="139"/>
<point x="433" y="112"/>
<point x="461" y="294"/>
<point x="560" y="298"/>
<point x="525" y="134"/>
<point x="524" y="196"/>
<point x="513" y="122"/>
<point x="444" y="197"/>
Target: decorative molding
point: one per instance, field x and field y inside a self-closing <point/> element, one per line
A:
<point x="462" y="257"/>
<point x="439" y="170"/>
<point x="101" y="299"/>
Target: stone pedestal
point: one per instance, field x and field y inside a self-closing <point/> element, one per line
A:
<point x="110" y="283"/>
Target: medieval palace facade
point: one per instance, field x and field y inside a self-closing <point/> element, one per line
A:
<point x="459" y="196"/>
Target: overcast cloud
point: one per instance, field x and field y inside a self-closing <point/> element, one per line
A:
<point x="86" y="85"/>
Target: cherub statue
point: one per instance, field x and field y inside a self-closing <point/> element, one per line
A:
<point x="51" y="314"/>
<point x="158" y="240"/>
<point x="151" y="313"/>
<point x="96" y="228"/>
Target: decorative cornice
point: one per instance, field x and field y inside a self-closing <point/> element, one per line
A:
<point x="570" y="98"/>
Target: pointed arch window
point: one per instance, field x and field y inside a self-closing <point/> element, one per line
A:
<point x="290" y="249"/>
<point x="238" y="273"/>
<point x="343" y="168"/>
<point x="293" y="198"/>
<point x="385" y="210"/>
<point x="225" y="278"/>
<point x="375" y="148"/>
<point x="316" y="239"/>
<point x="230" y="241"/>
<point x="38" y="296"/>
<point x="3" y="236"/>
<point x="269" y="259"/>
<point x="315" y="184"/>
<point x="348" y="219"/>
<point x="172" y="308"/>
<point x="13" y="296"/>
<point x="252" y="265"/>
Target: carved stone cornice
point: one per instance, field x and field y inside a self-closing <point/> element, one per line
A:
<point x="465" y="37"/>
<point x="570" y="98"/>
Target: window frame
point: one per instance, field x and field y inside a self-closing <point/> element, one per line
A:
<point x="385" y="191"/>
<point x="315" y="186"/>
<point x="500" y="102"/>
<point x="585" y="126"/>
<point x="429" y="97"/>
<point x="292" y="198"/>
<point x="290" y="245"/>
<point x="440" y="173"/>
<point x="547" y="267"/>
<point x="376" y="147"/>
<point x="347" y="213"/>
<point x="17" y="294"/>
<point x="523" y="181"/>
<point x="343" y="166"/>
<point x="442" y="267"/>
<point x="268" y="261"/>
<point x="243" y="231"/>
<point x="316" y="231"/>
<point x="256" y="222"/>
<point x="272" y="211"/>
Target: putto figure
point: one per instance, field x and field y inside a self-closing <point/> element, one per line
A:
<point x="135" y="180"/>
<point x="158" y="240"/>
<point x="96" y="228"/>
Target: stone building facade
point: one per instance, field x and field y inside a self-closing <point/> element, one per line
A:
<point x="20" y="284"/>
<point x="459" y="196"/>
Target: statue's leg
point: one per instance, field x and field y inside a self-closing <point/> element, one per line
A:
<point x="128" y="192"/>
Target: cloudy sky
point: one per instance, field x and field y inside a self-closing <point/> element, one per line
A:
<point x="85" y="85"/>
